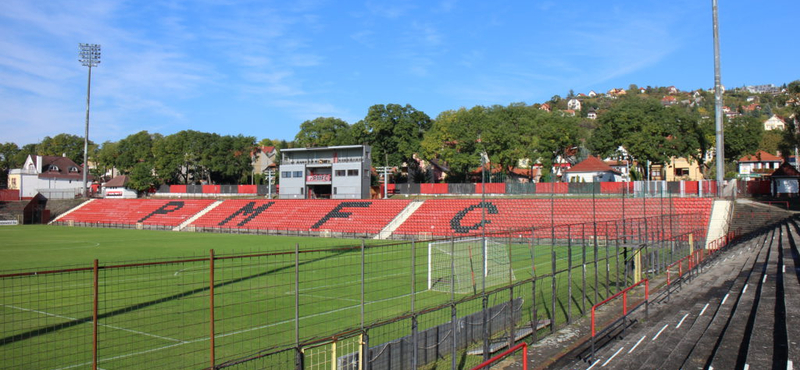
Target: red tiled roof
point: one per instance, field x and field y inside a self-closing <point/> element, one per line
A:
<point x="760" y="156"/>
<point x="592" y="164"/>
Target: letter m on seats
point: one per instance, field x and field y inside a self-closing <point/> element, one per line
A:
<point x="248" y="210"/>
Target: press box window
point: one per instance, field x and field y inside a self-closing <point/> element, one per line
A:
<point x="340" y="172"/>
<point x="298" y="173"/>
<point x="352" y="172"/>
<point x="286" y="174"/>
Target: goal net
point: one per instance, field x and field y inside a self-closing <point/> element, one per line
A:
<point x="459" y="265"/>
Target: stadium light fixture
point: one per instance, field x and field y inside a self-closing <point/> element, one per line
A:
<point x="90" y="57"/>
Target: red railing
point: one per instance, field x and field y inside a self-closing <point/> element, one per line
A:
<point x="700" y="255"/>
<point x="624" y="294"/>
<point x="523" y="345"/>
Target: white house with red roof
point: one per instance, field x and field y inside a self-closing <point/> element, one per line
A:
<point x="55" y="177"/>
<point x="757" y="165"/>
<point x="774" y="123"/>
<point x="592" y="169"/>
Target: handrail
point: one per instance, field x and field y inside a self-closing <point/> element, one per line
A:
<point x="624" y="294"/>
<point x="505" y="353"/>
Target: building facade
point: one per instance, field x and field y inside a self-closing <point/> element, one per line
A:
<point x="334" y="172"/>
<point x="54" y="177"/>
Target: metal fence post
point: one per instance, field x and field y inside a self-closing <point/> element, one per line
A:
<point x="211" y="307"/>
<point x="596" y="275"/>
<point x="535" y="319"/>
<point x="299" y="362"/>
<point x="583" y="268"/>
<point x="414" y="322"/>
<point x="363" y="282"/>
<point x="569" y="274"/>
<point x="95" y="294"/>
<point x="453" y="313"/>
<point x="553" y="280"/>
<point x="510" y="296"/>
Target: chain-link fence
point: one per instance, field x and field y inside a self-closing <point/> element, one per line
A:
<point x="362" y="306"/>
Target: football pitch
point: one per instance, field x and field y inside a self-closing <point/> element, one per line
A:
<point x="158" y="291"/>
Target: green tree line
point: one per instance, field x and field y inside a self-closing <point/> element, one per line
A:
<point x="401" y="135"/>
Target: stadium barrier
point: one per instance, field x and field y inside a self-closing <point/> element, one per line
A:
<point x="703" y="188"/>
<point x="355" y="306"/>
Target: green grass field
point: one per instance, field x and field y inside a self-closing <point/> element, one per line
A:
<point x="158" y="315"/>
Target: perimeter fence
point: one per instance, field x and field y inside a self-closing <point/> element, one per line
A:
<point x="353" y="307"/>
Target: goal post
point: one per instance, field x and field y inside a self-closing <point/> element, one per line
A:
<point x="460" y="266"/>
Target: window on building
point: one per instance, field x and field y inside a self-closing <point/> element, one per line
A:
<point x="297" y="173"/>
<point x="286" y="174"/>
<point x="679" y="172"/>
<point x="340" y="173"/>
<point x="13" y="183"/>
<point x="352" y="172"/>
<point x="73" y="169"/>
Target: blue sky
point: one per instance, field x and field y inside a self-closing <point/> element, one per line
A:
<point x="261" y="68"/>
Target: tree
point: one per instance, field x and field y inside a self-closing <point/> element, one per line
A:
<point x="644" y="128"/>
<point x="742" y="136"/>
<point x="395" y="131"/>
<point x="770" y="141"/>
<point x="65" y="144"/>
<point x="324" y="131"/>
<point x="455" y="138"/>
<point x="135" y="157"/>
<point x="106" y="157"/>
<point x="8" y="161"/>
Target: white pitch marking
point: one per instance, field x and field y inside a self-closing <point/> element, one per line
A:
<point x="723" y="300"/>
<point x="704" y="310"/>
<point x="594" y="363"/>
<point x="659" y="332"/>
<point x="784" y="269"/>
<point x="746" y="366"/>
<point x="789" y="365"/>
<point x="612" y="357"/>
<point x="745" y="289"/>
<point x="89" y="322"/>
<point x="637" y="343"/>
<point x="681" y="323"/>
<point x="764" y="280"/>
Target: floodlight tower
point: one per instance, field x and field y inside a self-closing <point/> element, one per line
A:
<point x="720" y="135"/>
<point x="90" y="57"/>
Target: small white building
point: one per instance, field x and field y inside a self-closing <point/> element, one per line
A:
<point x="774" y="123"/>
<point x="592" y="169"/>
<point x="574" y="104"/>
<point x="785" y="181"/>
<point x="54" y="177"/>
<point x="116" y="189"/>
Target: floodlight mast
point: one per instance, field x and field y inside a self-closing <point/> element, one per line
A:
<point x="90" y="57"/>
<point x="718" y="124"/>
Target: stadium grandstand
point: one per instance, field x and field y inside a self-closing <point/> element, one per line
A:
<point x="460" y="279"/>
